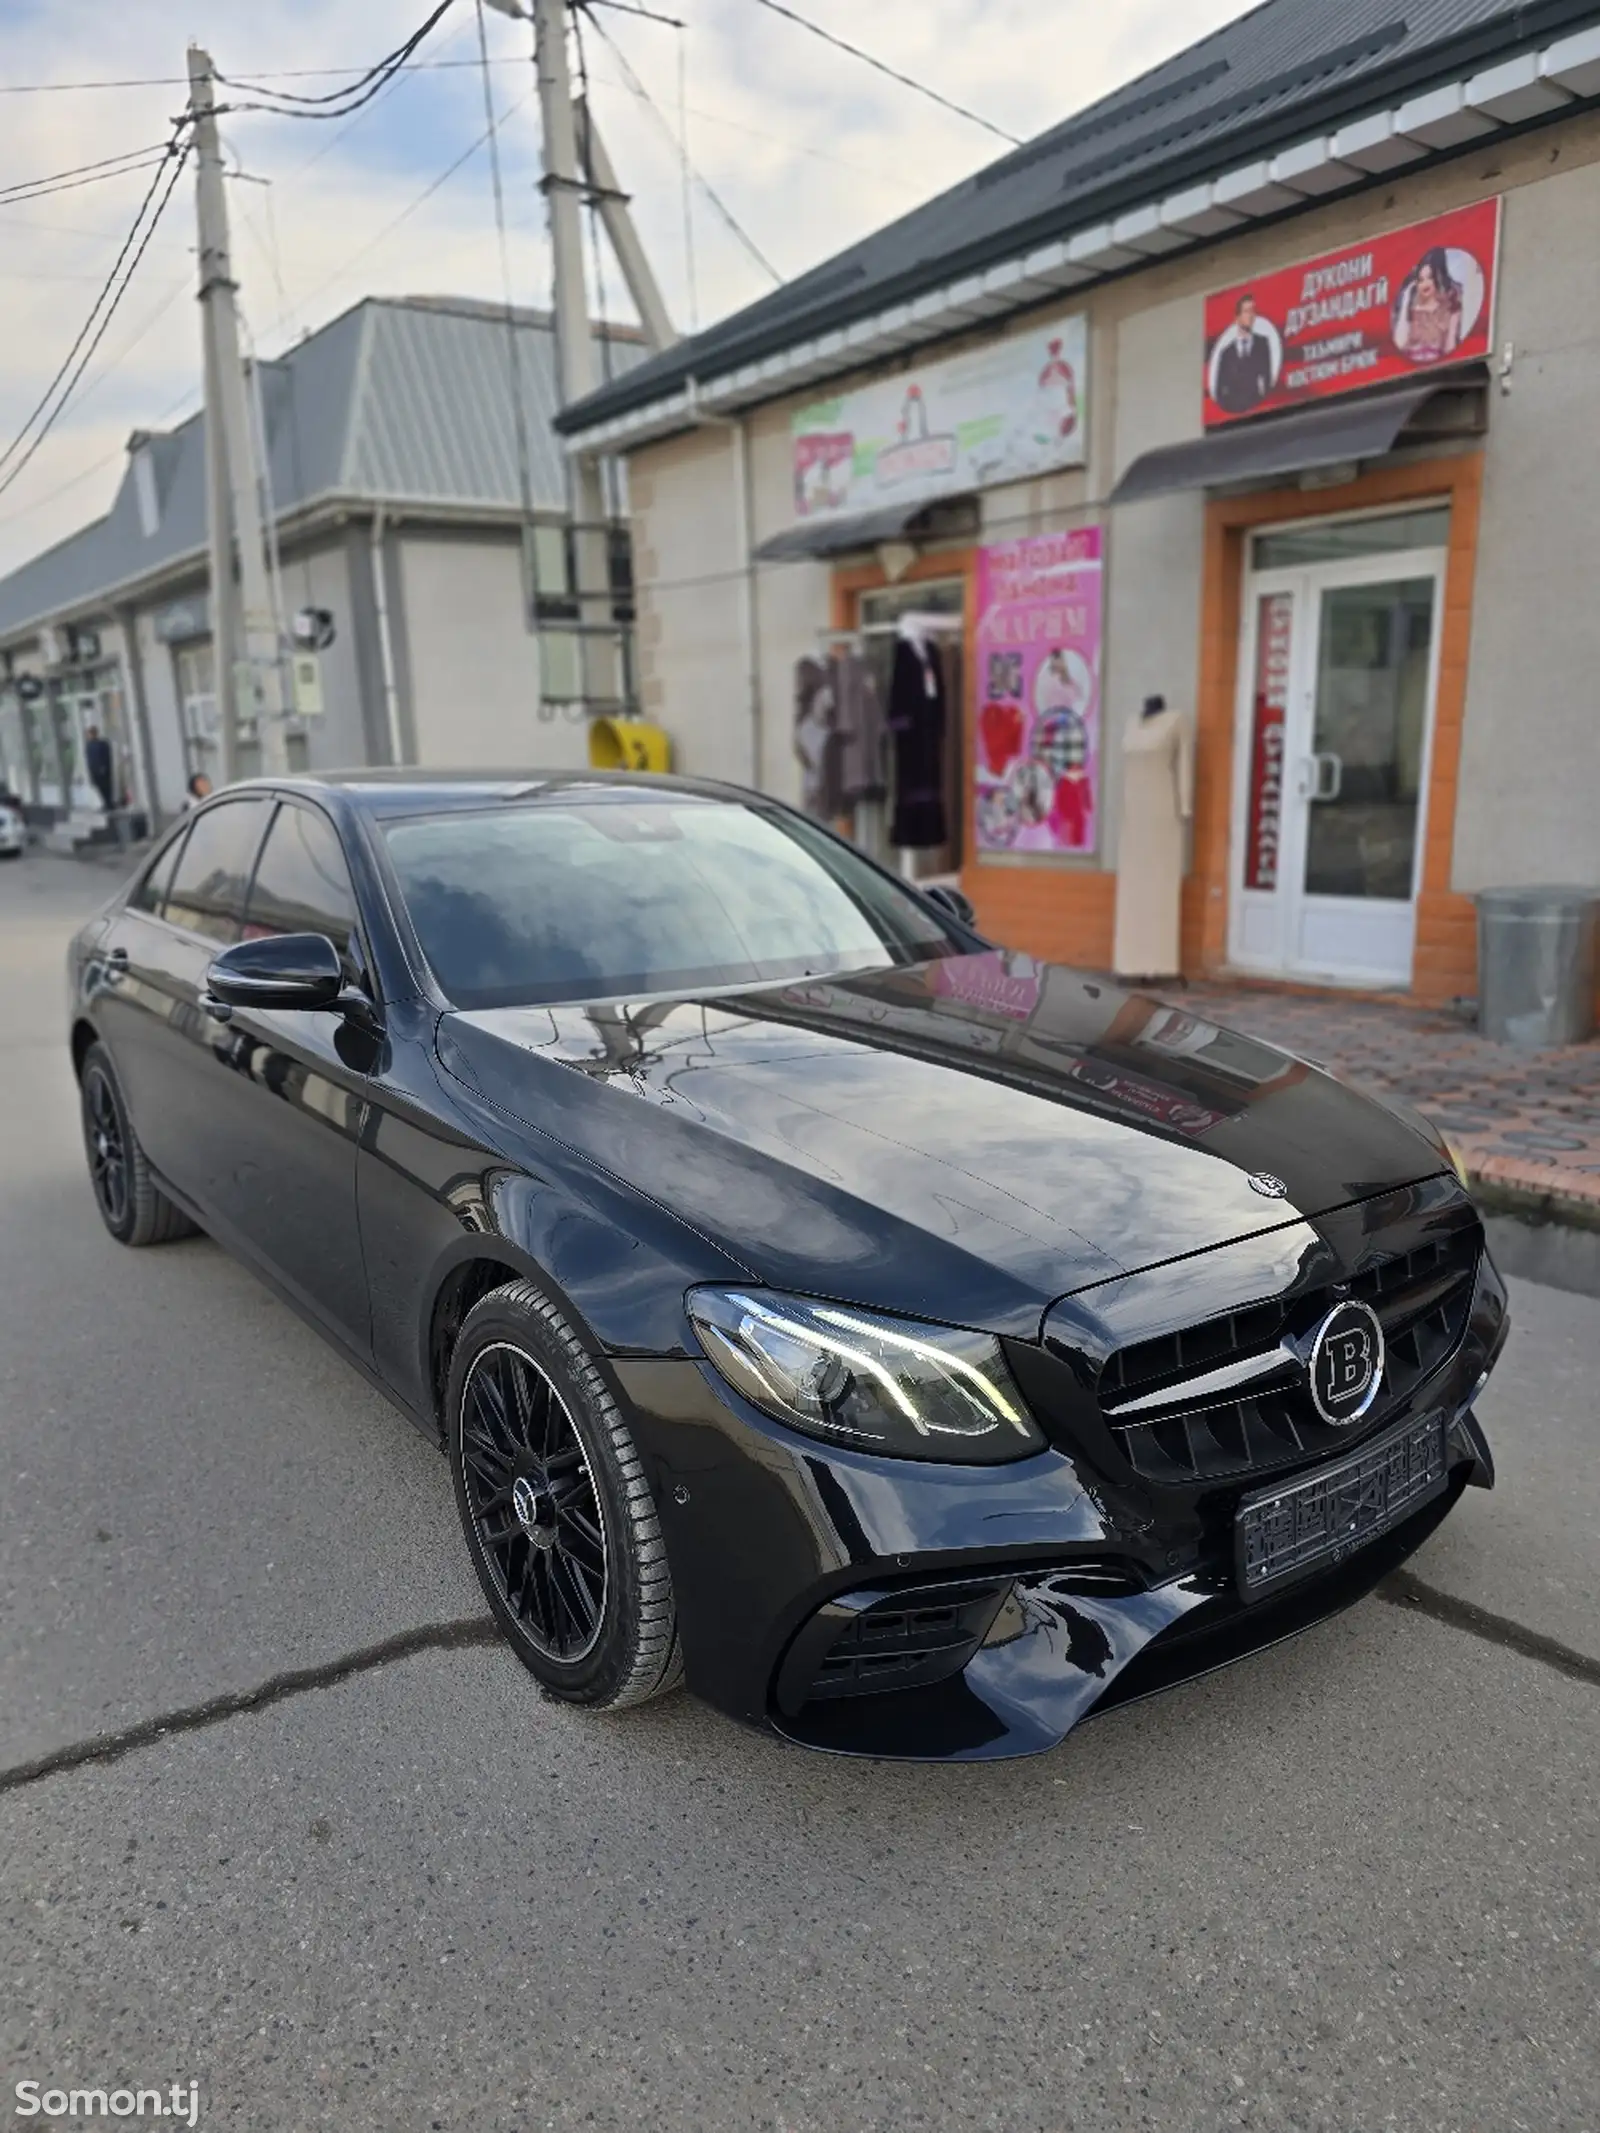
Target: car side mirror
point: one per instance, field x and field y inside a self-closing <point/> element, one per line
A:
<point x="285" y="970"/>
<point x="952" y="901"/>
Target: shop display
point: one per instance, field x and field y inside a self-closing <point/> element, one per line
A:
<point x="817" y="740"/>
<point x="1038" y="677"/>
<point x="1157" y="802"/>
<point x="917" y="725"/>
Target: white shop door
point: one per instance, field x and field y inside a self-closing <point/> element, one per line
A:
<point x="1339" y="668"/>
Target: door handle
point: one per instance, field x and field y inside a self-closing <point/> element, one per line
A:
<point x="1329" y="775"/>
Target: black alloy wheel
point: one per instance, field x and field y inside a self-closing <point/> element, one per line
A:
<point x="108" y="1155"/>
<point x="555" y="1507"/>
<point x="534" y="1502"/>
<point x="132" y="1205"/>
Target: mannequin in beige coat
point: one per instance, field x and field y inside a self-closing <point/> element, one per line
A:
<point x="1157" y="802"/>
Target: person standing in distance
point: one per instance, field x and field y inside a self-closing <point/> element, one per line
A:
<point x="97" y="761"/>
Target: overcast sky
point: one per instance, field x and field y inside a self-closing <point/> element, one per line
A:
<point x="808" y="148"/>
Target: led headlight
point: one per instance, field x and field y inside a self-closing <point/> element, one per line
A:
<point x="882" y="1384"/>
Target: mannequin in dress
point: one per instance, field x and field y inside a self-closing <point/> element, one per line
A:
<point x="1157" y="801"/>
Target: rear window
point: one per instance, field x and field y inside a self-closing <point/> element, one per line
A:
<point x="642" y="893"/>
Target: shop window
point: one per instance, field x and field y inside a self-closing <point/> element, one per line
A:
<point x="1338" y="540"/>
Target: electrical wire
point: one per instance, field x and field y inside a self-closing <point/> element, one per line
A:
<point x="687" y="186"/>
<point x="20" y="450"/>
<point x="404" y="215"/>
<point x="906" y="81"/>
<point x="638" y="88"/>
<point x="63" y="181"/>
<point x="375" y="75"/>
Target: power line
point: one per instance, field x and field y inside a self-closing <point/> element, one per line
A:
<point x="404" y="215"/>
<point x="104" y="309"/>
<point x="726" y="212"/>
<point x="365" y="85"/>
<point x="894" y="74"/>
<point x="85" y="174"/>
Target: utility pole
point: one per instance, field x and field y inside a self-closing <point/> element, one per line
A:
<point x="564" y="190"/>
<point x="612" y="202"/>
<point x="247" y="647"/>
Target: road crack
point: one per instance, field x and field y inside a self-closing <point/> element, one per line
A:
<point x="466" y="1635"/>
<point x="1401" y="1589"/>
<point x="474" y="1632"/>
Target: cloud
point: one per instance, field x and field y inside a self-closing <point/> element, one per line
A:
<point x="809" y="149"/>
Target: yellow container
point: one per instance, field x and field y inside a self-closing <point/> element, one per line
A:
<point x="628" y="744"/>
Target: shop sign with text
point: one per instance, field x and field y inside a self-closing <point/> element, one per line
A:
<point x="1005" y="412"/>
<point x="1038" y="677"/>
<point x="1264" y="828"/>
<point x="1391" y="307"/>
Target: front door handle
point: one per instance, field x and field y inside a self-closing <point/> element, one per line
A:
<point x="1328" y="775"/>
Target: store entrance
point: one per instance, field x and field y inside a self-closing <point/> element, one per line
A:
<point x="1339" y="667"/>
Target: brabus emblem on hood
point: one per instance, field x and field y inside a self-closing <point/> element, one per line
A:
<point x="1269" y="1187"/>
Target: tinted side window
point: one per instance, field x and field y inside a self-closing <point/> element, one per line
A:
<point x="302" y="884"/>
<point x="151" y="893"/>
<point x="208" y="890"/>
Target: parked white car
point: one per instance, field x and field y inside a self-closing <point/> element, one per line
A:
<point x="13" y="833"/>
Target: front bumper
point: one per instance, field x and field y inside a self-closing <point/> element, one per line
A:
<point x="885" y="1608"/>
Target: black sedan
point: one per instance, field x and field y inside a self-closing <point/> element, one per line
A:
<point x="914" y="1346"/>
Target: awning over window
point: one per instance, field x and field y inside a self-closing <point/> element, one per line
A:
<point x="1335" y="435"/>
<point x="947" y="515"/>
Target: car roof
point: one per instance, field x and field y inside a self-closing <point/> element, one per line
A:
<point x="405" y="790"/>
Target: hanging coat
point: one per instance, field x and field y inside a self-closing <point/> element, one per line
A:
<point x="864" y="760"/>
<point x="917" y="728"/>
<point x="817" y="740"/>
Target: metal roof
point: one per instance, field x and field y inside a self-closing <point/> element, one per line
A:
<point x="1284" y="69"/>
<point x="397" y="401"/>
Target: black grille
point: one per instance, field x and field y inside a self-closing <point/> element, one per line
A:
<point x="1422" y="1298"/>
<point x="902" y="1644"/>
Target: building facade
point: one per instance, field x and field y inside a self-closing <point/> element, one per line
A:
<point x="1263" y="388"/>
<point x="419" y="518"/>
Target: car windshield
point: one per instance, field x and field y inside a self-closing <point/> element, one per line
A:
<point x="605" y="895"/>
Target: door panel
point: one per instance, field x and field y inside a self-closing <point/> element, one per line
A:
<point x="1339" y="665"/>
<point x="160" y="1039"/>
<point x="287" y="1095"/>
<point x="1369" y="725"/>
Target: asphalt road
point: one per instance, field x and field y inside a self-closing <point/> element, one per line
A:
<point x="1353" y="1885"/>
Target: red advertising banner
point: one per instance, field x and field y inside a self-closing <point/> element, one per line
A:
<point x="1264" y="827"/>
<point x="1390" y="308"/>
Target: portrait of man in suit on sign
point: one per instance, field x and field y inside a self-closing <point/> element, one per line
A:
<point x="1245" y="367"/>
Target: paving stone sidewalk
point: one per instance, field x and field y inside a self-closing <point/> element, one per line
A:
<point x="1527" y="1123"/>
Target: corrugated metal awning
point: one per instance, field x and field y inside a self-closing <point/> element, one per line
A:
<point x="1335" y="435"/>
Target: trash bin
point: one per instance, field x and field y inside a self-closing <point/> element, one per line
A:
<point x="1536" y="965"/>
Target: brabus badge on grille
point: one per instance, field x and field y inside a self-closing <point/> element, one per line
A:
<point x="1269" y="1187"/>
<point x="1345" y="1364"/>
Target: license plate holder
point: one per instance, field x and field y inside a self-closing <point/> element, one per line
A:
<point x="1320" y="1519"/>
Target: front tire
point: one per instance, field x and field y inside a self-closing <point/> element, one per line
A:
<point x="132" y="1205"/>
<point x="555" y="1507"/>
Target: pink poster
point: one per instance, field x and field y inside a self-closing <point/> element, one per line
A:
<point x="1038" y="682"/>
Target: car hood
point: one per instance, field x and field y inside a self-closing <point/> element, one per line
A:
<point x="967" y="1139"/>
